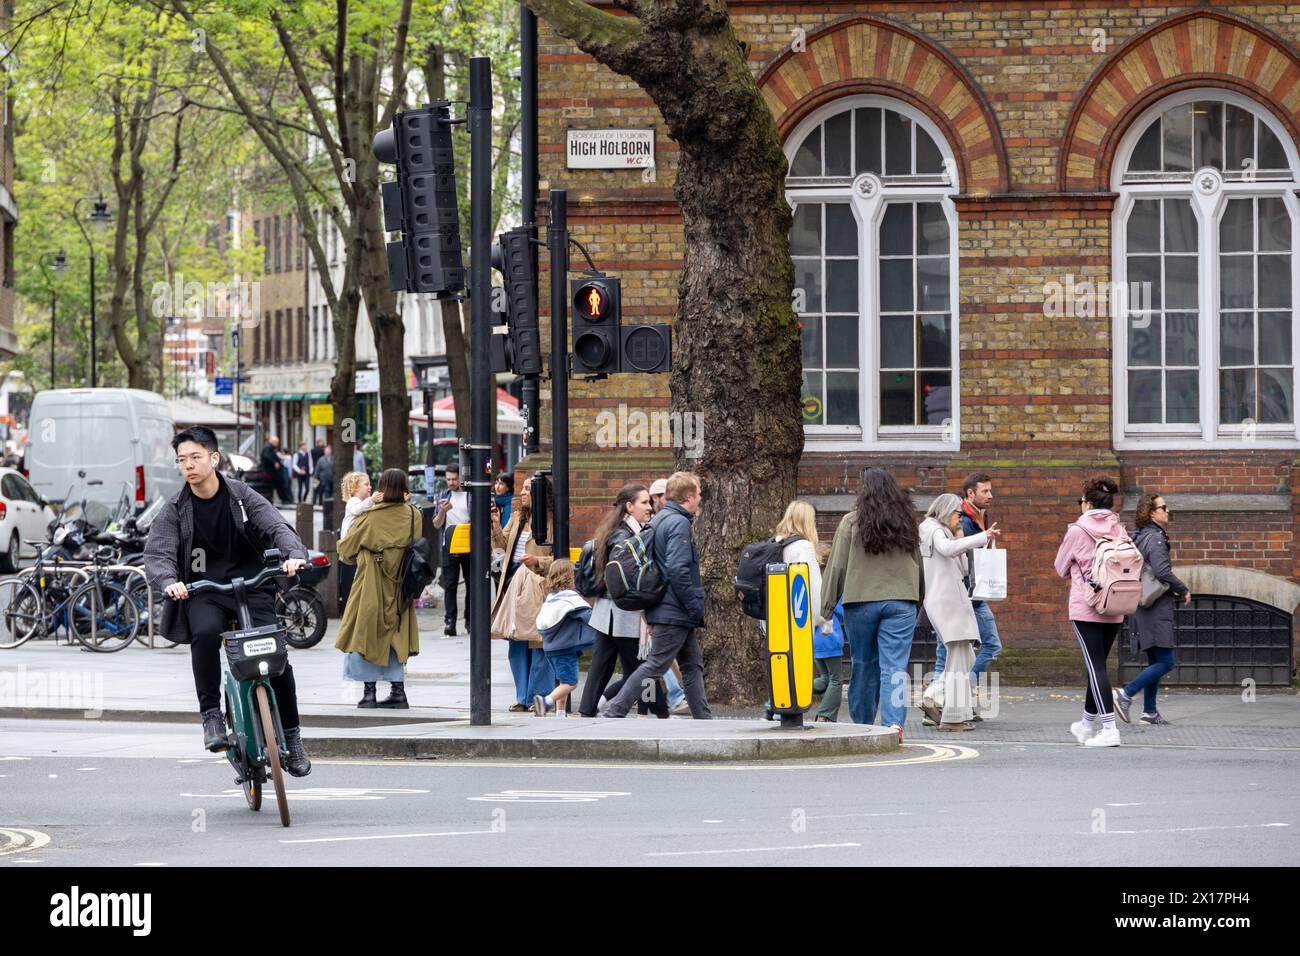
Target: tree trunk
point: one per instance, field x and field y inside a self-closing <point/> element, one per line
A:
<point x="453" y="336"/>
<point x="734" y="293"/>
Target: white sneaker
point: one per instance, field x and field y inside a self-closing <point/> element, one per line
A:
<point x="602" y="705"/>
<point x="1109" y="737"/>
<point x="1082" y="732"/>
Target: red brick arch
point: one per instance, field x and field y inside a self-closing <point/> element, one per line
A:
<point x="1199" y="48"/>
<point x="863" y="54"/>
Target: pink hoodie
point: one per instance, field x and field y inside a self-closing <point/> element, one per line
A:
<point x="1074" y="559"/>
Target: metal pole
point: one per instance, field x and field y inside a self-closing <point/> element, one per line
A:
<point x="428" y="435"/>
<point x="530" y="395"/>
<point x="54" y="318"/>
<point x="482" y="387"/>
<point x="94" y="379"/>
<point x="234" y="337"/>
<point x="557" y="240"/>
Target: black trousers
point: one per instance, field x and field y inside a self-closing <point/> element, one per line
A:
<point x="346" y="574"/>
<point x="209" y="615"/>
<point x="453" y="565"/>
<point x="1095" y="641"/>
<point x="606" y="652"/>
<point x="304" y="483"/>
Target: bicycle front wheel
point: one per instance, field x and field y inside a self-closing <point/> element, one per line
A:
<point x="272" y="751"/>
<point x="22" y="613"/>
<point x="103" y="616"/>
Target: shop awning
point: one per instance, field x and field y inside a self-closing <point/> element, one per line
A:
<point x="509" y="421"/>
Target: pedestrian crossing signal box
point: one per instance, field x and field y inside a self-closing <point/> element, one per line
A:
<point x="790" y="641"/>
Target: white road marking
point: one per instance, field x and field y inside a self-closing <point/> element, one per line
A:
<point x="88" y="768"/>
<point x="1126" y="804"/>
<point x="549" y="796"/>
<point x="1239" y="826"/>
<point x="15" y="758"/>
<point x="756" y="849"/>
<point x="839" y="816"/>
<point x="53" y="776"/>
<point x="391" y="836"/>
<point x="149" y="864"/>
<point x="710" y="821"/>
<point x="13" y="840"/>
<point x="321" y="793"/>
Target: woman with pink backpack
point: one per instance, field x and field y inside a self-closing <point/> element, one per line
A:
<point x="1105" y="569"/>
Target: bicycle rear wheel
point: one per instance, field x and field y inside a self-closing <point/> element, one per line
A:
<point x="139" y="591"/>
<point x="22" y="613"/>
<point x="272" y="751"/>
<point x="102" y="616"/>
<point x="302" y="615"/>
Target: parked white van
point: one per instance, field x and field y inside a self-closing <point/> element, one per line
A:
<point x="119" y="437"/>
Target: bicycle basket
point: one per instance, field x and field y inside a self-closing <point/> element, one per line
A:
<point x="247" y="651"/>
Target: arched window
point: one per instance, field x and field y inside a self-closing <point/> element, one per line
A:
<point x="1205" y="234"/>
<point x="875" y="254"/>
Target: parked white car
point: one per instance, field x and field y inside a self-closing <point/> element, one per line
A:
<point x="23" y="517"/>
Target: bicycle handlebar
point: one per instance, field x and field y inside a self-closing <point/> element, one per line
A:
<point x="257" y="580"/>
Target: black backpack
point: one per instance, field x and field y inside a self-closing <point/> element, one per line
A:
<point x="751" y="573"/>
<point x="417" y="569"/>
<point x="632" y="579"/>
<point x="584" y="573"/>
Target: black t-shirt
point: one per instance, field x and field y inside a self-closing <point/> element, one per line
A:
<point x="225" y="552"/>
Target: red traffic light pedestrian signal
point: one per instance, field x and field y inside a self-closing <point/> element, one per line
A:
<point x="596" y="314"/>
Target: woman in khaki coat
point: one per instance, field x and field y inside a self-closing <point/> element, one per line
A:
<point x="518" y="599"/>
<point x="376" y="635"/>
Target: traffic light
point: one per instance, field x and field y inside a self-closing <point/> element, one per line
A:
<point x="596" y="307"/>
<point x="421" y="201"/>
<point x="521" y="349"/>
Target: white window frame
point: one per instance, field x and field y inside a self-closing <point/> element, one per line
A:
<point x="868" y="211"/>
<point x="1208" y="209"/>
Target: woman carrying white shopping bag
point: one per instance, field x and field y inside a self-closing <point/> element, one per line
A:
<point x="947" y="605"/>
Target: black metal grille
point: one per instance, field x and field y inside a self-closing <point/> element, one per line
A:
<point x="1222" y="641"/>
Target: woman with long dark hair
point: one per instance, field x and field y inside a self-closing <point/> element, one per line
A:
<point x="875" y="567"/>
<point x="619" y="633"/>
<point x="1152" y="627"/>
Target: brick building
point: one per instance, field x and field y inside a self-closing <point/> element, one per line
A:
<point x="1039" y="240"/>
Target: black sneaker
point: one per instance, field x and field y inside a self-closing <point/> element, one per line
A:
<point x="1155" y="720"/>
<point x="449" y="631"/>
<point x="296" y="763"/>
<point x="214" y="731"/>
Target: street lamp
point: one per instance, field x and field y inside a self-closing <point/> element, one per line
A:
<point x="99" y="218"/>
<point x="60" y="265"/>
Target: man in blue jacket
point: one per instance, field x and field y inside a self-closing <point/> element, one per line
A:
<point x="673" y="620"/>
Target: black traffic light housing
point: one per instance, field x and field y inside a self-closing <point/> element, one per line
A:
<point x="520" y="351"/>
<point x="421" y="201"/>
<point x="597" y="305"/>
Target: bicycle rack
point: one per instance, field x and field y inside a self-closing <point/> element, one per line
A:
<point x="136" y="570"/>
<point x="121" y="569"/>
<point x="80" y="569"/>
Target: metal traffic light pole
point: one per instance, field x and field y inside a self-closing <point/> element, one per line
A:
<point x="557" y="241"/>
<point x="528" y="171"/>
<point x="482" y="387"/>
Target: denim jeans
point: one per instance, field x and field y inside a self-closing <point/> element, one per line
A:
<point x="532" y="674"/>
<point x="990" y="643"/>
<point x="1161" y="662"/>
<point x="880" y="640"/>
<point x="676" y="693"/>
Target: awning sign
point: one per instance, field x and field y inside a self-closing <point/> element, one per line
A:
<point x="610" y="148"/>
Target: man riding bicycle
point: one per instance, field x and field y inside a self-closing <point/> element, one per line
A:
<point x="215" y="529"/>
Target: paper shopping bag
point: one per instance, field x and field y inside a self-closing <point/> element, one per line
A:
<point x="990" y="573"/>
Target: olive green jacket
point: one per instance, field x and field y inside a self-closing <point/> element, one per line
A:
<point x="853" y="575"/>
<point x="375" y="542"/>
